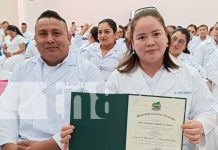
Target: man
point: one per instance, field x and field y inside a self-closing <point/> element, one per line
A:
<point x="202" y="32"/>
<point x="204" y="51"/>
<point x="28" y="36"/>
<point x="36" y="102"/>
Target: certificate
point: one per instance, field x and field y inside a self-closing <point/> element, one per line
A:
<point x="126" y="122"/>
<point x="154" y="123"/>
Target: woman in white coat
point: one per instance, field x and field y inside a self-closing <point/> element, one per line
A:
<point x="13" y="49"/>
<point x="106" y="54"/>
<point x="178" y="46"/>
<point x="149" y="70"/>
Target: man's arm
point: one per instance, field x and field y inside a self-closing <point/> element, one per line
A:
<point x="9" y="146"/>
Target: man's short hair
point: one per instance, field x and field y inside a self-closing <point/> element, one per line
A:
<point x="203" y="25"/>
<point x="23" y="23"/>
<point x="51" y="14"/>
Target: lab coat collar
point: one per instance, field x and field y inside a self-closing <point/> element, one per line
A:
<point x="69" y="60"/>
<point x="116" y="48"/>
<point x="139" y="84"/>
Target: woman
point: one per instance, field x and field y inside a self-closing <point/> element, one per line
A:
<point x="149" y="70"/>
<point x="107" y="54"/>
<point x="120" y="32"/>
<point x="13" y="49"/>
<point x="178" y="46"/>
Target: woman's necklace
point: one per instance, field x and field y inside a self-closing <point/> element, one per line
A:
<point x="104" y="52"/>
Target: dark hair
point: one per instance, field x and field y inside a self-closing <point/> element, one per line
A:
<point x="111" y="23"/>
<point x="94" y="33"/>
<point x="187" y="36"/>
<point x="211" y="29"/>
<point x="172" y="26"/>
<point x="14" y="29"/>
<point x="24" y="24"/>
<point x="51" y="14"/>
<point x="131" y="61"/>
<point x="3" y="22"/>
<point x="203" y="25"/>
<point x="123" y="31"/>
<point x="194" y="26"/>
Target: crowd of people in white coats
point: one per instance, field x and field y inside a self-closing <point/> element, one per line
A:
<point x="144" y="57"/>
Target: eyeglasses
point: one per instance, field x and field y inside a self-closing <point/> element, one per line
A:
<point x="144" y="8"/>
<point x="180" y="42"/>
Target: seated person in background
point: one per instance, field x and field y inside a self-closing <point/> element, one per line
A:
<point x="178" y="46"/>
<point x="13" y="49"/>
<point x="31" y="50"/>
<point x="106" y="54"/>
<point x="35" y="103"/>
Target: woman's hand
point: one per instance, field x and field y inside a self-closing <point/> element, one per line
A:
<point x="193" y="130"/>
<point x="65" y="134"/>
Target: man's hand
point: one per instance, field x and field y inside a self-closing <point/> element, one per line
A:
<point x="35" y="145"/>
<point x="65" y="134"/>
<point x="193" y="130"/>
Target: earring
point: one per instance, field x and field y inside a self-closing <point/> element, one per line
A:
<point x="133" y="51"/>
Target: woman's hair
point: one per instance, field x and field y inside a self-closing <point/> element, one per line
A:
<point x="14" y="29"/>
<point x="187" y="36"/>
<point x="131" y="61"/>
<point x="111" y="23"/>
<point x="94" y="33"/>
<point x="124" y="32"/>
<point x="194" y="26"/>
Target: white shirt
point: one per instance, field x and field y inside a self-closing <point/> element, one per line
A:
<point x="152" y="82"/>
<point x="13" y="45"/>
<point x="31" y="50"/>
<point x="42" y="106"/>
<point x="28" y="36"/>
<point x="184" y="82"/>
<point x="108" y="63"/>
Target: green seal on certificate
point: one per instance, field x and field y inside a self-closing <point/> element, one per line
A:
<point x="156" y="106"/>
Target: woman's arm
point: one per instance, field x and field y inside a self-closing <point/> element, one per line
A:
<point x="21" y="49"/>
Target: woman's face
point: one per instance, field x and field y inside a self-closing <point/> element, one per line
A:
<point x="178" y="43"/>
<point x="11" y="33"/>
<point x="215" y="33"/>
<point x="106" y="36"/>
<point x="120" y="33"/>
<point x="149" y="40"/>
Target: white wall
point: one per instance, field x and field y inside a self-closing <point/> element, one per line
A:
<point x="176" y="12"/>
<point x="9" y="11"/>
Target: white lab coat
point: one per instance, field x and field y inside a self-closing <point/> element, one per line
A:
<point x="108" y="63"/>
<point x="36" y="109"/>
<point x="212" y="72"/>
<point x="184" y="82"/>
<point x="203" y="53"/>
<point x="31" y="50"/>
<point x="193" y="44"/>
<point x="8" y="64"/>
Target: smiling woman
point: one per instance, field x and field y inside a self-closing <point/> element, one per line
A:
<point x="179" y="42"/>
<point x="149" y="70"/>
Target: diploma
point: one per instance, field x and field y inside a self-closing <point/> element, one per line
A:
<point x="154" y="123"/>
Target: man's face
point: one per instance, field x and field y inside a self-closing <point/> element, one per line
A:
<point x="23" y="28"/>
<point x="202" y="31"/>
<point x="52" y="40"/>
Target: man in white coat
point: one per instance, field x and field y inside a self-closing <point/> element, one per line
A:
<point x="36" y="102"/>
